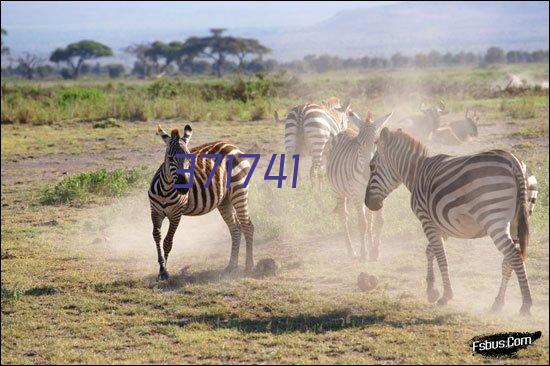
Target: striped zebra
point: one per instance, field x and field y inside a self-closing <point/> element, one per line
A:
<point x="348" y="156"/>
<point x="465" y="197"/>
<point x="169" y="202"/>
<point x="309" y="126"/>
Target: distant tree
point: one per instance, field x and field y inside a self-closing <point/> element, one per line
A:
<point x="75" y="54"/>
<point x="44" y="71"/>
<point x="421" y="60"/>
<point x="28" y="64"/>
<point x="216" y="47"/>
<point x="241" y="48"/>
<point x="494" y="55"/>
<point x="539" y="56"/>
<point x="143" y="65"/>
<point x="5" y="50"/>
<point x="115" y="70"/>
<point x="398" y="60"/>
<point x="434" y="58"/>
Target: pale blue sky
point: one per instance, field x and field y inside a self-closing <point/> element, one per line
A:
<point x="83" y="15"/>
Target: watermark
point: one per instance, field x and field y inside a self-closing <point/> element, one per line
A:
<point x="269" y="175"/>
<point x="502" y="344"/>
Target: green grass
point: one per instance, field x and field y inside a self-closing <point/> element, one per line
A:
<point x="69" y="298"/>
<point x="520" y="109"/>
<point x="84" y="187"/>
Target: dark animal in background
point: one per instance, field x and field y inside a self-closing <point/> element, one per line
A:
<point x="458" y="131"/>
<point x="422" y="127"/>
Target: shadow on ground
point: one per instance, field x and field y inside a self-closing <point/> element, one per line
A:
<point x="330" y="321"/>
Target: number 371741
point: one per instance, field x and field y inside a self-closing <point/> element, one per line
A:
<point x="218" y="158"/>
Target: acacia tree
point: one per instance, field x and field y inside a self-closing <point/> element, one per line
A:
<point x="28" y="64"/>
<point x="143" y="65"/>
<point x="242" y="47"/>
<point x="5" y="50"/>
<point x="75" y="54"/>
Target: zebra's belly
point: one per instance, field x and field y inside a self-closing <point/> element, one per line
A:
<point x="462" y="225"/>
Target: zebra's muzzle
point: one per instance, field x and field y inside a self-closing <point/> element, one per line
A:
<point x="373" y="204"/>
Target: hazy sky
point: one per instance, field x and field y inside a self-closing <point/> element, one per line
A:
<point x="83" y="15"/>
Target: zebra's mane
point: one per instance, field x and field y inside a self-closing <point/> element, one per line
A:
<point x="413" y="145"/>
<point x="331" y="106"/>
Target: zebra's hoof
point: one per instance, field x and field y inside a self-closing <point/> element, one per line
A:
<point x="163" y="275"/>
<point x="443" y="300"/>
<point x="433" y="295"/>
<point x="497" y="306"/>
<point x="373" y="257"/>
<point x="525" y="310"/>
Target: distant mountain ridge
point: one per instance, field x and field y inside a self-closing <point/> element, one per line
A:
<point x="412" y="27"/>
<point x="406" y="27"/>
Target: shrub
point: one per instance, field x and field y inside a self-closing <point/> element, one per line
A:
<point x="83" y="187"/>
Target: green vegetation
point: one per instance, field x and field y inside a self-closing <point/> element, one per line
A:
<point x="84" y="187"/>
<point x="79" y="267"/>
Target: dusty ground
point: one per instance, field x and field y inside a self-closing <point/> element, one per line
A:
<point x="110" y="308"/>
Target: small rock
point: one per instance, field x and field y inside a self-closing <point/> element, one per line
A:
<point x="366" y="282"/>
<point x="265" y="267"/>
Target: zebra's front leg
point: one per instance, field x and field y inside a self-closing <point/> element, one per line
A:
<point x="506" y="274"/>
<point x="167" y="244"/>
<point x="157" y="223"/>
<point x="436" y="249"/>
<point x="364" y="221"/>
<point x="431" y="292"/>
<point x="377" y="224"/>
<point x="342" y="207"/>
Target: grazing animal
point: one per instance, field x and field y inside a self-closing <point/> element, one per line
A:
<point x="466" y="197"/>
<point x="169" y="202"/>
<point x="457" y="132"/>
<point x="348" y="157"/>
<point x="309" y="126"/>
<point x="422" y="127"/>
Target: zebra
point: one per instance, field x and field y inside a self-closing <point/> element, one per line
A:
<point x="348" y="156"/>
<point x="169" y="202"/>
<point x="309" y="126"/>
<point x="469" y="196"/>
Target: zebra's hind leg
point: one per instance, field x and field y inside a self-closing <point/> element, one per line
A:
<point x="157" y="223"/>
<point x="167" y="243"/>
<point x="377" y="224"/>
<point x="504" y="243"/>
<point x="228" y="214"/>
<point x="436" y="249"/>
<point x="342" y="207"/>
<point x="240" y="203"/>
<point x="506" y="274"/>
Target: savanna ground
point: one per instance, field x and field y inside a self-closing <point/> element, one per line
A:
<point x="79" y="264"/>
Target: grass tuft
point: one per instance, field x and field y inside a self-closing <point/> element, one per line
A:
<point x="84" y="187"/>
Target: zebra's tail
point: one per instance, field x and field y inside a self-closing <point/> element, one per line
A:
<point x="523" y="230"/>
<point x="523" y="213"/>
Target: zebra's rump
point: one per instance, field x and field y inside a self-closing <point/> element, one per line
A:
<point x="466" y="195"/>
<point x="308" y="127"/>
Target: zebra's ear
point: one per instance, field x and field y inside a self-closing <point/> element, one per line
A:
<point x="187" y="132"/>
<point x="165" y="137"/>
<point x="384" y="134"/>
<point x="380" y="122"/>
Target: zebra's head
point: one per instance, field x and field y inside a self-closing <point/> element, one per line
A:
<point x="176" y="144"/>
<point x="434" y="114"/>
<point x="369" y="130"/>
<point x="383" y="177"/>
<point x="343" y="113"/>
